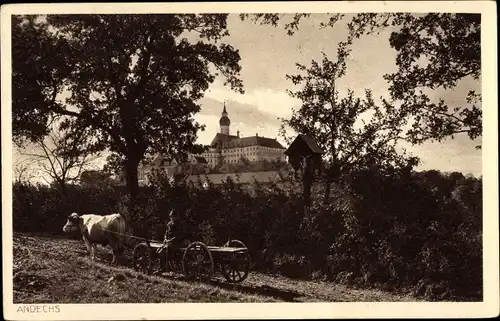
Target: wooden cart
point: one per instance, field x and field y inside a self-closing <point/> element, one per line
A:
<point x="197" y="261"/>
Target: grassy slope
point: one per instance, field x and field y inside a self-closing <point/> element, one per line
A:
<point x="52" y="270"/>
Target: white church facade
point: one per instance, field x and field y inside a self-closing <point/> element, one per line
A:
<point x="227" y="148"/>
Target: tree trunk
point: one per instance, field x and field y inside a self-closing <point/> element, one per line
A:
<point x="62" y="187"/>
<point x="61" y="184"/>
<point x="307" y="178"/>
<point x="132" y="177"/>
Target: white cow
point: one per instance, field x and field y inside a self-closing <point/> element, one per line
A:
<point x="98" y="229"/>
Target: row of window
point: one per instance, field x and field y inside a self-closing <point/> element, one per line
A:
<point x="240" y="154"/>
<point x="237" y="160"/>
<point x="232" y="150"/>
<point x="237" y="156"/>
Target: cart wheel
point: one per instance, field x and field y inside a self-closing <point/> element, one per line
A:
<point x="235" y="243"/>
<point x="235" y="267"/>
<point x="142" y="258"/>
<point x="197" y="262"/>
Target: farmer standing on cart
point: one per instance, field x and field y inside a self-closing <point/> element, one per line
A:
<point x="172" y="238"/>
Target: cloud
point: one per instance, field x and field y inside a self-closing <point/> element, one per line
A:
<point x="277" y="103"/>
<point x="247" y="118"/>
<point x="451" y="155"/>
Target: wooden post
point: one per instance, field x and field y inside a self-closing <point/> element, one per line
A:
<point x="307" y="179"/>
<point x="304" y="155"/>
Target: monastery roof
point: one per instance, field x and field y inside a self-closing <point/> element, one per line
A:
<point x="161" y="160"/>
<point x="253" y="141"/>
<point x="200" y="160"/>
<point x="221" y="138"/>
<point x="230" y="141"/>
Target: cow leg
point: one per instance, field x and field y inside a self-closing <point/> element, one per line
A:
<point x="119" y="253"/>
<point x="115" y="247"/>
<point x="93" y="252"/>
<point x="114" y="257"/>
<point x="90" y="248"/>
<point x="116" y="254"/>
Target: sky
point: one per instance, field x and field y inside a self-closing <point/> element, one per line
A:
<point x="268" y="54"/>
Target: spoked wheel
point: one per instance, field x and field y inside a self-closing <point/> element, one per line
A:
<point x="143" y="258"/>
<point x="197" y="262"/>
<point x="235" y="266"/>
<point x="235" y="243"/>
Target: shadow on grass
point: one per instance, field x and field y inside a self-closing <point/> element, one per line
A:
<point x="264" y="290"/>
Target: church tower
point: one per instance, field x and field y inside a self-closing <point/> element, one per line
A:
<point x="224" y="122"/>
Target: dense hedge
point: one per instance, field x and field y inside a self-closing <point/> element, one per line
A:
<point x="420" y="232"/>
<point x="45" y="209"/>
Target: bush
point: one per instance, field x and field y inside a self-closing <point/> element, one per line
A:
<point x="419" y="232"/>
<point x="405" y="234"/>
<point x="42" y="209"/>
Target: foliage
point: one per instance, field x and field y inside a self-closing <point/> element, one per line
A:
<point x="424" y="241"/>
<point x="60" y="157"/>
<point x="415" y="231"/>
<point x="353" y="133"/>
<point x="38" y="67"/>
<point x="39" y="208"/>
<point x="125" y="76"/>
<point x="434" y="50"/>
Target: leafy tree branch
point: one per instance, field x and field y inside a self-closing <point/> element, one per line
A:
<point x="434" y="50"/>
<point x="354" y="133"/>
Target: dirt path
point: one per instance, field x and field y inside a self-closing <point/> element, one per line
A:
<point x="50" y="270"/>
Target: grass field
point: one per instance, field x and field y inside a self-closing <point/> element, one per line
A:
<point x="58" y="270"/>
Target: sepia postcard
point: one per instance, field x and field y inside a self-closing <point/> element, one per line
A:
<point x="250" y="160"/>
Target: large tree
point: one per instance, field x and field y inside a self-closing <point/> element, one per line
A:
<point x="131" y="81"/>
<point x="434" y="50"/>
<point x="354" y="133"/>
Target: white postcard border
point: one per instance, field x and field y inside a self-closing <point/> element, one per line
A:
<point x="490" y="305"/>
